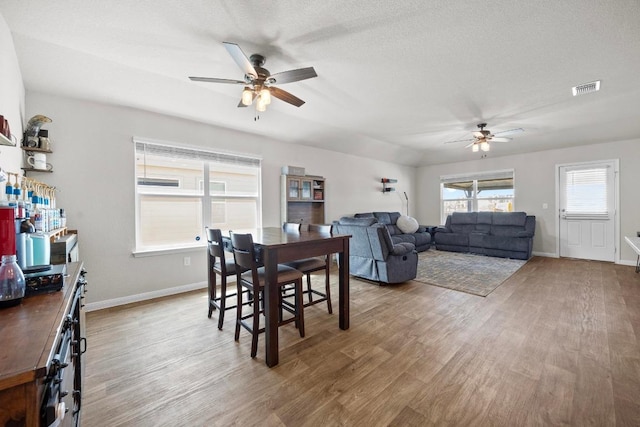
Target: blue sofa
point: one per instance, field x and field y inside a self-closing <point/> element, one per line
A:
<point x="500" y="234"/>
<point x="421" y="238"/>
<point x="372" y="253"/>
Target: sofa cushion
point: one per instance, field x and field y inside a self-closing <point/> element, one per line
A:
<point x="401" y="237"/>
<point x="509" y="231"/>
<point x="485" y="219"/>
<point x="510" y="218"/>
<point x="362" y="221"/>
<point x="463" y="222"/>
<point x="407" y="225"/>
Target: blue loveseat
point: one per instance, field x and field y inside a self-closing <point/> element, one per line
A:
<point x="501" y="234"/>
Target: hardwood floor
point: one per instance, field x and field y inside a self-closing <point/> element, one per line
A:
<point x="556" y="344"/>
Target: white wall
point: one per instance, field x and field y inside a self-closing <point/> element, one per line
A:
<point x="536" y="184"/>
<point x="93" y="165"/>
<point x="11" y="99"/>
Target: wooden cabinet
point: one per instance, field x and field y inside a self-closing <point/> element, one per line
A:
<point x="42" y="351"/>
<point x="302" y="199"/>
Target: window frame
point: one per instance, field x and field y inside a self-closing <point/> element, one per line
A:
<point x="474" y="178"/>
<point x="202" y="192"/>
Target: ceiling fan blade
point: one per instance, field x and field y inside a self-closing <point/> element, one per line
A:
<point x="285" y="96"/>
<point x="460" y="140"/>
<point x="500" y="139"/>
<point x="216" y="80"/>
<point x="241" y="59"/>
<point x="469" y="145"/>
<point x="292" y="75"/>
<point x="509" y="132"/>
<point x="477" y="134"/>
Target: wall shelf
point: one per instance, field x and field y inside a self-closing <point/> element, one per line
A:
<point x="385" y="184"/>
<point x="36" y="150"/>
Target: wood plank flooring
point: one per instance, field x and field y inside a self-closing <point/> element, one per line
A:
<point x="556" y="344"/>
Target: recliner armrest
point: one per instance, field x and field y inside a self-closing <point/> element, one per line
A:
<point x="442" y="230"/>
<point x="402" y="248"/>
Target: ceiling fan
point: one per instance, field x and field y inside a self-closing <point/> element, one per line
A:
<point x="258" y="82"/>
<point x="482" y="137"/>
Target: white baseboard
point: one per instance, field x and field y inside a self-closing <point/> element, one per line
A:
<point x="553" y="255"/>
<point x="545" y="254"/>
<point x="143" y="297"/>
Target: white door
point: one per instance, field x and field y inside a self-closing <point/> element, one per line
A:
<point x="588" y="210"/>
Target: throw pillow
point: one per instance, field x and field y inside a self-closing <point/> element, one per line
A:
<point x="407" y="225"/>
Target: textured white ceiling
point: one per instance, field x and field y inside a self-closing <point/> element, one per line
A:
<point x="396" y="79"/>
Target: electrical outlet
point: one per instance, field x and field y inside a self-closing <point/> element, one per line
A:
<point x="187" y="260"/>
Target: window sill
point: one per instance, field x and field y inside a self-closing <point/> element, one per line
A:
<point x="167" y="251"/>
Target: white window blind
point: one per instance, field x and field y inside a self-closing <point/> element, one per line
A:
<point x="586" y="193"/>
<point x="181" y="190"/>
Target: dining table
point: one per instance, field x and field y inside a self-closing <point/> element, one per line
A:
<point x="275" y="246"/>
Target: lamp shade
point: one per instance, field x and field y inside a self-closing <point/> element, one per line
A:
<point x="247" y="96"/>
<point x="265" y="94"/>
<point x="260" y="105"/>
<point x="475" y="147"/>
<point x="484" y="146"/>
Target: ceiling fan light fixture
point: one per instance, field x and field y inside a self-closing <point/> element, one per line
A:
<point x="475" y="147"/>
<point x="484" y="146"/>
<point x="247" y="96"/>
<point x="260" y="105"/>
<point x="265" y="95"/>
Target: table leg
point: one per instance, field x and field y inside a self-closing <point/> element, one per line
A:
<point x="271" y="306"/>
<point x="343" y="285"/>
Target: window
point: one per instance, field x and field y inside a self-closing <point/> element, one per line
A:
<point x="586" y="192"/>
<point x="181" y="190"/>
<point x="481" y="192"/>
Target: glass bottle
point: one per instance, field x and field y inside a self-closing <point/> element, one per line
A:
<point x="12" y="283"/>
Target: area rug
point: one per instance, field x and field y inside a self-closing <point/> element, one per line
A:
<point x="473" y="274"/>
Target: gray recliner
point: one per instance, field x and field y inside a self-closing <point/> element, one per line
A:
<point x="373" y="255"/>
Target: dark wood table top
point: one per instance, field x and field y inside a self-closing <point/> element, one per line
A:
<point x="28" y="332"/>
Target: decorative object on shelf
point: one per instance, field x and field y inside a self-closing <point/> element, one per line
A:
<point x="32" y="131"/>
<point x="35" y="123"/>
<point x="293" y="170"/>
<point x="385" y="186"/>
<point x="6" y="138"/>
<point x="39" y="161"/>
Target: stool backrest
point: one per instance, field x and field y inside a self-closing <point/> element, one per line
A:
<point x="320" y="228"/>
<point x="291" y="227"/>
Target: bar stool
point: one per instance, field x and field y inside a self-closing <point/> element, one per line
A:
<point x="218" y="265"/>
<point x="253" y="279"/>
<point x="310" y="265"/>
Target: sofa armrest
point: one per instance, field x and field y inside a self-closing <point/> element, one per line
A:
<point x="442" y="230"/>
<point x="422" y="229"/>
<point x="402" y="248"/>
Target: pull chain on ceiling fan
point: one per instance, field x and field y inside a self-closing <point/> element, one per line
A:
<point x="259" y="83"/>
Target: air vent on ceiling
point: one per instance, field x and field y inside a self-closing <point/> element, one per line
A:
<point x="586" y="88"/>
